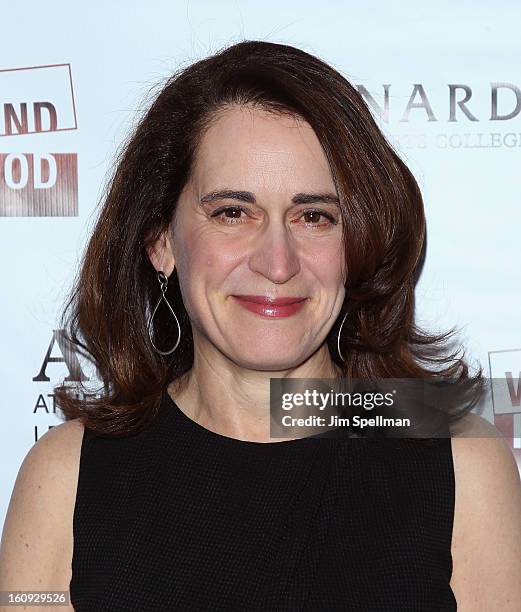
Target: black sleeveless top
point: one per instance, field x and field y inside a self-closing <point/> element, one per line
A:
<point x="179" y="517"/>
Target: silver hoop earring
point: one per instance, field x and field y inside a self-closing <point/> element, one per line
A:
<point x="163" y="282"/>
<point x="338" y="339"/>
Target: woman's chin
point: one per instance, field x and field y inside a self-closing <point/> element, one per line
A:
<point x="271" y="360"/>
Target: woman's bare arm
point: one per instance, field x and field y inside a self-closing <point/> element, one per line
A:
<point x="486" y="542"/>
<point x="36" y="546"/>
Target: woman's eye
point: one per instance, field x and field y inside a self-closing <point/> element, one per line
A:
<point x="313" y="217"/>
<point x="234" y="215"/>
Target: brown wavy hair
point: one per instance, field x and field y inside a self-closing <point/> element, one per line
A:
<point x="105" y="317"/>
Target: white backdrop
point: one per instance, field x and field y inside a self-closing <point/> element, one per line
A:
<point x="92" y="66"/>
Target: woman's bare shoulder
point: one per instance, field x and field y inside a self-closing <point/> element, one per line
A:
<point x="60" y="442"/>
<point x="474" y="426"/>
<point x="36" y="547"/>
<point x="486" y="539"/>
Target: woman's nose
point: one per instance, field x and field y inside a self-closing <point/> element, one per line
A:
<point x="275" y="254"/>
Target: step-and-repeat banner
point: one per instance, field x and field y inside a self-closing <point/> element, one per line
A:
<point x="442" y="80"/>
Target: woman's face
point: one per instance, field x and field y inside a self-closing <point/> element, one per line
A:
<point x="260" y="241"/>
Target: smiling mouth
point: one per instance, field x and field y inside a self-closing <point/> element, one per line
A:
<point x="268" y="301"/>
<point x="269" y="307"/>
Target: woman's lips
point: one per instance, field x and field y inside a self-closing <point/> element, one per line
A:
<point x="280" y="307"/>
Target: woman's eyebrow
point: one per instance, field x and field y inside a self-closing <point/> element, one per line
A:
<point x="247" y="196"/>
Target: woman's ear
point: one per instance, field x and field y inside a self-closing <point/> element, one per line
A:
<point x="161" y="254"/>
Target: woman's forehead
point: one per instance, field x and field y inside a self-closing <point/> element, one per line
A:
<point x="261" y="149"/>
<point x="256" y="129"/>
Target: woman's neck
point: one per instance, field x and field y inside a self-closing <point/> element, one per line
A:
<point x="235" y="401"/>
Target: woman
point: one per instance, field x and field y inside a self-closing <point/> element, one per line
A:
<point x="258" y="172"/>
